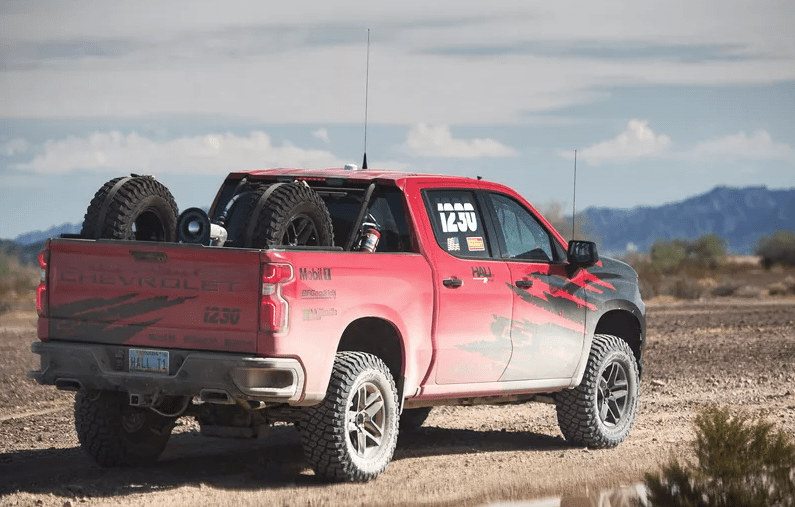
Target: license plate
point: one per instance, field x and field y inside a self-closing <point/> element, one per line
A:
<point x="148" y="361"/>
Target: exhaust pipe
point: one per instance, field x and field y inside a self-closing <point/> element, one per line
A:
<point x="217" y="396"/>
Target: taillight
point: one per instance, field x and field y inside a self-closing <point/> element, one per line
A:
<point x="274" y="310"/>
<point x="41" y="290"/>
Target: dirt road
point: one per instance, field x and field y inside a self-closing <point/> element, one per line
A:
<point x="732" y="352"/>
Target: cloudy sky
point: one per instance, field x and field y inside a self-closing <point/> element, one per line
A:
<point x="661" y="99"/>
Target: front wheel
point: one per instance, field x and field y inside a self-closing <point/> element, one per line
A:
<point x="600" y="411"/>
<point x="351" y="435"/>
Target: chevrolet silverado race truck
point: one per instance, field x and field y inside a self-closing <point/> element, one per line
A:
<point x="347" y="302"/>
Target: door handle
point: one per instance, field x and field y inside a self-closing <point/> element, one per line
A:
<point x="524" y="284"/>
<point x="453" y="283"/>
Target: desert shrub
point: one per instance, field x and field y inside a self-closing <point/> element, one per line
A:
<point x="691" y="256"/>
<point x="725" y="289"/>
<point x="707" y="251"/>
<point x="681" y="287"/>
<point x="741" y="460"/>
<point x="5" y="269"/>
<point x="668" y="256"/>
<point x="673" y="267"/>
<point x="14" y="278"/>
<point x="782" y="288"/>
<point x="777" y="249"/>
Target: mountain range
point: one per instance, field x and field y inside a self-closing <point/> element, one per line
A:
<point x="739" y="215"/>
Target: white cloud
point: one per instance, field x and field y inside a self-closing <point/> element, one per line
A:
<point x="14" y="146"/>
<point x="638" y="141"/>
<point x="95" y="58"/>
<point x="429" y="141"/>
<point x="205" y="154"/>
<point x="321" y="134"/>
<point x="741" y="146"/>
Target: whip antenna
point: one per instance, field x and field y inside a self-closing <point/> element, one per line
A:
<point x="574" y="197"/>
<point x="366" y="92"/>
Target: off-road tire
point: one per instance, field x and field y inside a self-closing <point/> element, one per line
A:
<point x="337" y="435"/>
<point x="412" y="418"/>
<point x="292" y="214"/>
<point x="600" y="411"/>
<point x="133" y="208"/>
<point x="115" y="434"/>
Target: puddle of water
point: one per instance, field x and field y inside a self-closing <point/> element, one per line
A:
<point x="624" y="496"/>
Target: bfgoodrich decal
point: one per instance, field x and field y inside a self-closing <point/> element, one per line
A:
<point x="318" y="294"/>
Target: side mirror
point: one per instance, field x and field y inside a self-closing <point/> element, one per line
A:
<point x="581" y="254"/>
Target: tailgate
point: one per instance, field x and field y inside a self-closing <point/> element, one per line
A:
<point x="162" y="295"/>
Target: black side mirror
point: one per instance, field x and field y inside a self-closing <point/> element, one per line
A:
<point x="581" y="254"/>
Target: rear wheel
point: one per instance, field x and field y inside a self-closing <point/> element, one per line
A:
<point x="114" y="433"/>
<point x="600" y="411"/>
<point x="351" y="435"/>
<point x="133" y="208"/>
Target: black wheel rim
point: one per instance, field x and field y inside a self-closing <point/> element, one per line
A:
<point x="366" y="420"/>
<point x="301" y="231"/>
<point x="133" y="421"/>
<point x="612" y="397"/>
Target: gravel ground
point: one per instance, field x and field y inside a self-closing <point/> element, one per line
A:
<point x="734" y="352"/>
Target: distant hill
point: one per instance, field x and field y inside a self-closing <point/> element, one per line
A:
<point x="30" y="238"/>
<point x="739" y="215"/>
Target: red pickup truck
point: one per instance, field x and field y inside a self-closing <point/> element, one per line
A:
<point x="348" y="302"/>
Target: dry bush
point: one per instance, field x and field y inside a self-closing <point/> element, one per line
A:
<point x="741" y="460"/>
<point x="782" y="288"/>
<point x="778" y="248"/>
<point x="16" y="281"/>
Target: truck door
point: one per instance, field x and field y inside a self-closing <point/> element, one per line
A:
<point x="473" y="305"/>
<point x="548" y="324"/>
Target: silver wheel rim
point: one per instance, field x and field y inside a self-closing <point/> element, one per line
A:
<point x="366" y="420"/>
<point x="612" y="397"/>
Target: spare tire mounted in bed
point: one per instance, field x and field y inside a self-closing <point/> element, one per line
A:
<point x="133" y="208"/>
<point x="288" y="214"/>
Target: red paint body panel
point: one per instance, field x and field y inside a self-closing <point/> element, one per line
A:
<point x="351" y="286"/>
<point x="190" y="297"/>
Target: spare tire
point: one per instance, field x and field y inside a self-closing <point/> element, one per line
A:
<point x="288" y="214"/>
<point x="133" y="208"/>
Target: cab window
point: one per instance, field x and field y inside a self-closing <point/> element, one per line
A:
<point x="457" y="222"/>
<point x="525" y="238"/>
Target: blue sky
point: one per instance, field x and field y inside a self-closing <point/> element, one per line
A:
<point x="662" y="99"/>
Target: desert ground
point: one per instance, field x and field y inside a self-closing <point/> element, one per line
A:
<point x="737" y="352"/>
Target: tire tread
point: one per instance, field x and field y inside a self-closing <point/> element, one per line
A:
<point x="323" y="432"/>
<point x="576" y="408"/>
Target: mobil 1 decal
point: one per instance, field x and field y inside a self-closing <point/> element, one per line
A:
<point x="457" y="217"/>
<point x="314" y="274"/>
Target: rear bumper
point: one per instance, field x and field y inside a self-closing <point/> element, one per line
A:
<point x="212" y="376"/>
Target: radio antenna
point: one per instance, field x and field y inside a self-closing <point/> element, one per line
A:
<point x="574" y="196"/>
<point x="366" y="92"/>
